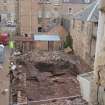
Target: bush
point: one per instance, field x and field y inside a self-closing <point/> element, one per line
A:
<point x="68" y="42"/>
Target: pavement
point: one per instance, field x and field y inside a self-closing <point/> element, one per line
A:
<point x="4" y="80"/>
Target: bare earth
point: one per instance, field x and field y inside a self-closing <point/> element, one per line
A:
<point x="49" y="75"/>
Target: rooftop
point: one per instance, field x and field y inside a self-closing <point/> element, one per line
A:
<point x="90" y="13"/>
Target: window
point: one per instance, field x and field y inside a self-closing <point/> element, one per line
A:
<point x="40" y="29"/>
<point x="96" y="24"/>
<point x="55" y="21"/>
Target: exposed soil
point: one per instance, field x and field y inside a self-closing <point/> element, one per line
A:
<point x="51" y="75"/>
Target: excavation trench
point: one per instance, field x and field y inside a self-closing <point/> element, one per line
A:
<point x="57" y="68"/>
<point x="48" y="80"/>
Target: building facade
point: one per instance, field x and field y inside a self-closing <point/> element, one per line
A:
<point x="37" y="16"/>
<point x="84" y="39"/>
<point x="84" y="33"/>
<point x="7" y="15"/>
<point x="27" y="16"/>
<point x="55" y="17"/>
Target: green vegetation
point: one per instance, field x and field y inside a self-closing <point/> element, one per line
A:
<point x="68" y="42"/>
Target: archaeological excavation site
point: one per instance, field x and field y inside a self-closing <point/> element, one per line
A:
<point x="52" y="52"/>
<point x="47" y="78"/>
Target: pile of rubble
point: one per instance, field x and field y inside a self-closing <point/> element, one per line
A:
<point x="51" y="56"/>
<point x="56" y="58"/>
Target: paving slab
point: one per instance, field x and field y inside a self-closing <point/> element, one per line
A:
<point x="4" y="80"/>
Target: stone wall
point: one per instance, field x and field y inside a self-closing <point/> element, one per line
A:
<point x="58" y="30"/>
<point x="83" y="40"/>
<point x="99" y="65"/>
<point x="28" y="21"/>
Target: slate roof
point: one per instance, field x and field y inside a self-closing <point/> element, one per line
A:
<point x="77" y="1"/>
<point x="91" y="13"/>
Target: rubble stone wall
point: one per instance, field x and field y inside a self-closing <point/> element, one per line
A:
<point x="83" y="43"/>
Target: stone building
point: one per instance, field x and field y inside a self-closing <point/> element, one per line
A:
<point x="71" y="7"/>
<point x="55" y="17"/>
<point x="26" y="16"/>
<point x="44" y="15"/>
<point x="7" y="15"/>
<point x="84" y="32"/>
<point x="38" y="16"/>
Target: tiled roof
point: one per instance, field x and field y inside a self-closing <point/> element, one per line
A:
<point x="91" y="13"/>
